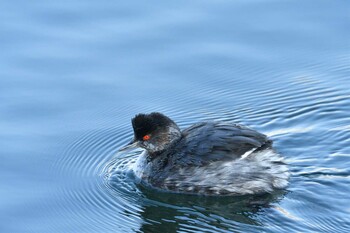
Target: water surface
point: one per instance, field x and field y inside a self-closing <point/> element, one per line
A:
<point x="73" y="74"/>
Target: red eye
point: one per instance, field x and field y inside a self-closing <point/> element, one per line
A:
<point x="146" y="137"/>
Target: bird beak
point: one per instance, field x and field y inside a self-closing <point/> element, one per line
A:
<point x="131" y="145"/>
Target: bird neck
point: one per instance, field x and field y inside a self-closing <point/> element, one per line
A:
<point x="173" y="135"/>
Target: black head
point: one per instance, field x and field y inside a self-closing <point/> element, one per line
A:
<point x="146" y="124"/>
<point x="153" y="132"/>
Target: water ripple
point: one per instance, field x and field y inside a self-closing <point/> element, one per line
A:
<point x="99" y="178"/>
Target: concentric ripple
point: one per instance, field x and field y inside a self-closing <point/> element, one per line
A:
<point x="99" y="181"/>
<point x="73" y="74"/>
<point x="283" y="72"/>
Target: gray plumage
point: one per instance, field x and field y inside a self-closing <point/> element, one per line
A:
<point x="210" y="158"/>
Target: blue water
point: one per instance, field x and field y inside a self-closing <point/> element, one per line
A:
<point x="73" y="74"/>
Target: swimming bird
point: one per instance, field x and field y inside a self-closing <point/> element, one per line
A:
<point x="208" y="158"/>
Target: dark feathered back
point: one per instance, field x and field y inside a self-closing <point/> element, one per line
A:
<point x="147" y="123"/>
